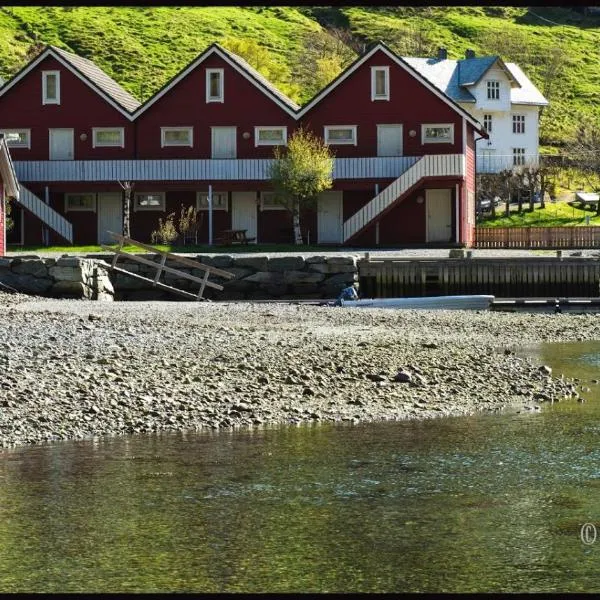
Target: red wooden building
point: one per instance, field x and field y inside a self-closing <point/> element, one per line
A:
<point x="9" y="188"/>
<point x="403" y="174"/>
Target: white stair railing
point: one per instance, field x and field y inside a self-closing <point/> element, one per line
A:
<point x="46" y="214"/>
<point x="432" y="165"/>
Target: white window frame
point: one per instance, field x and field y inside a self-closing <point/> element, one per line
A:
<point x="258" y="129"/>
<point x="222" y="204"/>
<point x="328" y="128"/>
<point x="518" y="124"/>
<point x="97" y="144"/>
<point x="518" y="157"/>
<point x="426" y="140"/>
<point x="80" y="208"/>
<point x="493" y="89"/>
<point x="164" y="130"/>
<point x="386" y="93"/>
<point x="221" y="96"/>
<point x="160" y="208"/>
<point x="273" y="206"/>
<point x="45" y="99"/>
<point x="26" y="144"/>
<point x="488" y="122"/>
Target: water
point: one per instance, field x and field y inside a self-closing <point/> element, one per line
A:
<point x="484" y="503"/>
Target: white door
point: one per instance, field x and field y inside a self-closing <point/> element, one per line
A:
<point x="439" y="215"/>
<point x="389" y="140"/>
<point x="329" y="218"/>
<point x="110" y="216"/>
<point x="243" y="212"/>
<point x="224" y="142"/>
<point x="61" y="144"/>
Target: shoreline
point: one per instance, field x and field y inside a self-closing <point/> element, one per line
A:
<point x="75" y="369"/>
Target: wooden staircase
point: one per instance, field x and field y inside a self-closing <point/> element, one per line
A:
<point x="45" y="214"/>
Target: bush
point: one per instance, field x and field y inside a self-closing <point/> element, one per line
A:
<point x="166" y="233"/>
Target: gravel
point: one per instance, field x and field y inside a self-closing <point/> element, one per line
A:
<point x="77" y="369"/>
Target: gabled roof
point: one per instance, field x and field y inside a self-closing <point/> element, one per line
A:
<point x="454" y="77"/>
<point x="7" y="170"/>
<point x="88" y="72"/>
<point x="237" y="63"/>
<point x="381" y="47"/>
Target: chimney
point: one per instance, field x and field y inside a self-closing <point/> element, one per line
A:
<point x="442" y="54"/>
<point x="470" y="53"/>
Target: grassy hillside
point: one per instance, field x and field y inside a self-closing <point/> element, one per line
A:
<point x="142" y="47"/>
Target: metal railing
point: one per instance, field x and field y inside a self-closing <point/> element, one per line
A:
<point x="502" y="162"/>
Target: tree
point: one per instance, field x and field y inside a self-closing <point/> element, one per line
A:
<point x="127" y="189"/>
<point x="300" y="173"/>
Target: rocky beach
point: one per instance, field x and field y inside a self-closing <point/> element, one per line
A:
<point x="75" y="369"/>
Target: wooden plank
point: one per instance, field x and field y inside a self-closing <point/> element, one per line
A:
<point x="157" y="284"/>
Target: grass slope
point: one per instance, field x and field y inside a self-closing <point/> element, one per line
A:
<point x="561" y="214"/>
<point x="142" y="47"/>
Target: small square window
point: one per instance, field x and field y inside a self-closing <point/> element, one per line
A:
<point x="493" y="90"/>
<point x="380" y="83"/>
<point x="214" y="85"/>
<point x="340" y="134"/>
<point x="270" y="136"/>
<point x="17" y="138"/>
<point x="438" y="133"/>
<point x="518" y="123"/>
<point x="269" y="201"/>
<point x="50" y="87"/>
<point x="176" y="136"/>
<point x="149" y="201"/>
<point x="108" y="137"/>
<point x="80" y="202"/>
<point x="219" y="200"/>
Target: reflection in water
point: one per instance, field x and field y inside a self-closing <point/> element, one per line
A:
<point x="482" y="503"/>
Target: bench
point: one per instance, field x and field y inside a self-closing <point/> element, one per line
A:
<point x="229" y="237"/>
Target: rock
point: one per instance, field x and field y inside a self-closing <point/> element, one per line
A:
<point x="308" y="392"/>
<point x="294" y="277"/>
<point x="545" y="370"/>
<point x="432" y="345"/>
<point x="285" y="264"/>
<point x="376" y="377"/>
<point x="403" y="377"/>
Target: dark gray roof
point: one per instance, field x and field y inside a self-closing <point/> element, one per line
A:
<point x="100" y="79"/>
<point x="258" y="77"/>
<point x="453" y="77"/>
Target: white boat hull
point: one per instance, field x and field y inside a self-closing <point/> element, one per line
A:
<point x="475" y="302"/>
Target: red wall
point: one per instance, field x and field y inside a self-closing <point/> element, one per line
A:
<point x="2" y="219"/>
<point x="468" y="229"/>
<point x="81" y="108"/>
<point x="411" y="104"/>
<point x="185" y="104"/>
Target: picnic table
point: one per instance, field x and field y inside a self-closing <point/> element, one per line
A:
<point x="228" y="237"/>
<point x="587" y="198"/>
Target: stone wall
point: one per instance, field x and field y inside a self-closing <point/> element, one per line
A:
<point x="66" y="277"/>
<point x="255" y="277"/>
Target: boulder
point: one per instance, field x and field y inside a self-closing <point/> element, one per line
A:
<point x="257" y="263"/>
<point x="37" y="268"/>
<point x="71" y="289"/>
<point x="286" y="263"/>
<point x="295" y="277"/>
<point x="264" y="277"/>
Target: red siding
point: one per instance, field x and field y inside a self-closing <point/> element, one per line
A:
<point x="245" y="107"/>
<point x="81" y="108"/>
<point x="410" y="104"/>
<point x="467" y="212"/>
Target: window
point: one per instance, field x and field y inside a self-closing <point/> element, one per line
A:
<point x="340" y="134"/>
<point x="493" y="90"/>
<point x="214" y="85"/>
<point x="518" y="123"/>
<point x="149" y="201"/>
<point x="380" y="83"/>
<point x="50" y="87"/>
<point x="437" y="133"/>
<point x="518" y="156"/>
<point x="219" y="200"/>
<point x="268" y="202"/>
<point x="108" y="136"/>
<point x="176" y="136"/>
<point x="17" y="138"/>
<point x="80" y="202"/>
<point x="487" y="123"/>
<point x="270" y="136"/>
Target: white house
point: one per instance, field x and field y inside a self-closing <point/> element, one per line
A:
<point x="500" y="96"/>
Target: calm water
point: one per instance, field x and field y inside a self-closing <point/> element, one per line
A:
<point x="486" y="503"/>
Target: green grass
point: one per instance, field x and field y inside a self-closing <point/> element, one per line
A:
<point x="143" y="47"/>
<point x="561" y="214"/>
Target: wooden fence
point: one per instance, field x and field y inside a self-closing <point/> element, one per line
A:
<point x="503" y="278"/>
<point x="537" y="237"/>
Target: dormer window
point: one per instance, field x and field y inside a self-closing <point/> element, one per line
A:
<point x="493" y="89"/>
<point x="50" y="87"/>
<point x="214" y="85"/>
<point x="380" y="83"/>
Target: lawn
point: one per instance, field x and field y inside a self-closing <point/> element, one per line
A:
<point x="559" y="214"/>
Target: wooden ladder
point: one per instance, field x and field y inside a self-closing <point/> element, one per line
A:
<point x="161" y="267"/>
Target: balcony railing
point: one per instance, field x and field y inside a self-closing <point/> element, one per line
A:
<point x="502" y="162"/>
<point x="196" y="170"/>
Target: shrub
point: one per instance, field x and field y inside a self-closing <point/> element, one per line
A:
<point x="166" y="232"/>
